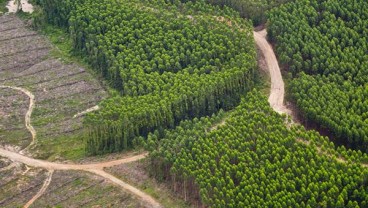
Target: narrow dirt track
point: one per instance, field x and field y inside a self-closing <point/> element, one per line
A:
<point x="131" y="189"/>
<point x="42" y="190"/>
<point x="96" y="168"/>
<point x="276" y="98"/>
<point x="27" y="118"/>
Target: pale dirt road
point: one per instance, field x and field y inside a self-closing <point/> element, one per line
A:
<point x="131" y="189"/>
<point x="277" y="94"/>
<point x="27" y="118"/>
<point x="42" y="190"/>
<point x="16" y="157"/>
<point x="96" y="168"/>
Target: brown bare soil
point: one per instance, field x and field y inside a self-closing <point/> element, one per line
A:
<point x="137" y="174"/>
<point x="78" y="189"/>
<point x="19" y="184"/>
<point x="61" y="91"/>
<point x="56" y="93"/>
<point x="13" y="107"/>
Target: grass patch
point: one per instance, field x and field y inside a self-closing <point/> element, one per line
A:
<point x="20" y="137"/>
<point x="69" y="147"/>
<point x="3" y="8"/>
<point x="262" y="82"/>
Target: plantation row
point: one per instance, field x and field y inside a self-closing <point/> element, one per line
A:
<point x="254" y="10"/>
<point x="254" y="160"/>
<point x="169" y="61"/>
<point x="327" y="40"/>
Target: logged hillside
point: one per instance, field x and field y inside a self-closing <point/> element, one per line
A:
<point x="169" y="62"/>
<point x="324" y="44"/>
<point x="255" y="160"/>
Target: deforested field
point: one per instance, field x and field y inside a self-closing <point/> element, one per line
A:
<point x="76" y="189"/>
<point x="60" y="90"/>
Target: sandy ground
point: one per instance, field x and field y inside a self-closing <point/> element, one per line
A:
<point x="26" y="6"/>
<point x="276" y="98"/>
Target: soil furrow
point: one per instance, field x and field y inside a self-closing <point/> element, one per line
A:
<point x="23" y="51"/>
<point x="18" y="37"/>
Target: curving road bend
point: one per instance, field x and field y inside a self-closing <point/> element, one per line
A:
<point x="276" y="98"/>
<point x="28" y="114"/>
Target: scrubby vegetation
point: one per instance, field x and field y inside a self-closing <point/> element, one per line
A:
<point x="3" y="9"/>
<point x="324" y="43"/>
<point x="169" y="61"/>
<point x="254" y="160"/>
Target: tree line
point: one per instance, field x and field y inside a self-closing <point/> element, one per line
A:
<point x="324" y="44"/>
<point x="168" y="60"/>
<point x="255" y="160"/>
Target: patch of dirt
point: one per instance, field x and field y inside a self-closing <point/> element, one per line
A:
<point x="13" y="108"/>
<point x="76" y="189"/>
<point x="51" y="85"/>
<point x="18" y="185"/>
<point x="61" y="90"/>
<point x="137" y="174"/>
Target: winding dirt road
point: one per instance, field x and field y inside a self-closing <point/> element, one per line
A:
<point x="42" y="190"/>
<point x="27" y="118"/>
<point x="276" y="98"/>
<point x="96" y="168"/>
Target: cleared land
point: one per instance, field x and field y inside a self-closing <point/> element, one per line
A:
<point x="61" y="91"/>
<point x="19" y="183"/>
<point x="78" y="189"/>
<point x="137" y="174"/>
<point x="57" y="92"/>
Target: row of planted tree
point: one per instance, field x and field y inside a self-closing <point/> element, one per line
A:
<point x="324" y="44"/>
<point x="168" y="60"/>
<point x="255" y="160"/>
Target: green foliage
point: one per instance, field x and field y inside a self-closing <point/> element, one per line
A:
<point x="3" y="8"/>
<point x="58" y="12"/>
<point x="254" y="10"/>
<point x="169" y="60"/>
<point x="254" y="160"/>
<point x="327" y="40"/>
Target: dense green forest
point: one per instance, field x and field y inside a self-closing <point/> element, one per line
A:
<point x="255" y="160"/>
<point x="324" y="44"/>
<point x="179" y="66"/>
<point x="169" y="62"/>
<point x="254" y="10"/>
